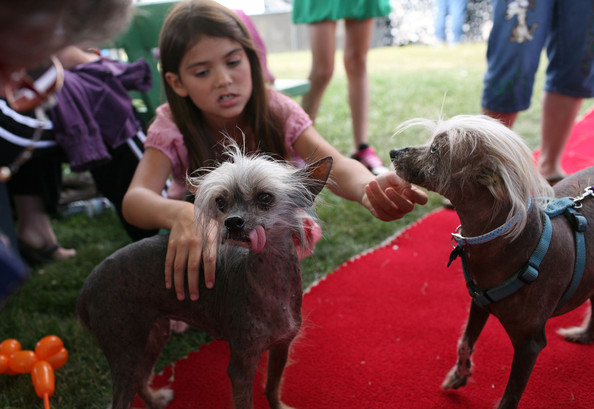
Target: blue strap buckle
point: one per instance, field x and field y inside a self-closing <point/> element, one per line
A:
<point x="577" y="220"/>
<point x="529" y="274"/>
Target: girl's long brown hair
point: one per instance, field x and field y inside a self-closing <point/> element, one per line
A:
<point x="184" y="26"/>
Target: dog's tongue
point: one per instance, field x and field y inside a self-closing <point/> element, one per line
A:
<point x="258" y="238"/>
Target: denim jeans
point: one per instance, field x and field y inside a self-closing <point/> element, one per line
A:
<point x="456" y="9"/>
<point x="564" y="28"/>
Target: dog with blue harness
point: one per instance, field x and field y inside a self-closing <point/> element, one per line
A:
<point x="526" y="248"/>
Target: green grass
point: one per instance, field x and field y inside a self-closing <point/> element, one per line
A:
<point x="405" y="82"/>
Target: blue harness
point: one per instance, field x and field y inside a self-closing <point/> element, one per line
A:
<point x="527" y="274"/>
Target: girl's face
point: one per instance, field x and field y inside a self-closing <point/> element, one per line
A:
<point x="216" y="74"/>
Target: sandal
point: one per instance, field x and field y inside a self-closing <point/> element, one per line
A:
<point x="35" y="256"/>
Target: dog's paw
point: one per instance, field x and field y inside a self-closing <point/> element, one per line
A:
<point x="579" y="335"/>
<point x="453" y="380"/>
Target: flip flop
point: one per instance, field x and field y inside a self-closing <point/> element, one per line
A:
<point x="36" y="256"/>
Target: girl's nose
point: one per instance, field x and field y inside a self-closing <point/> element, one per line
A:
<point x="223" y="78"/>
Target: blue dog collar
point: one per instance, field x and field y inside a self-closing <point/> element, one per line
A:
<point x="493" y="234"/>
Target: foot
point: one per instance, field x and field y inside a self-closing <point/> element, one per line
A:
<point x="369" y="158"/>
<point x="40" y="255"/>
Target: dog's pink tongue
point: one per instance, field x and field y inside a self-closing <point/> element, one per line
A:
<point x="258" y="238"/>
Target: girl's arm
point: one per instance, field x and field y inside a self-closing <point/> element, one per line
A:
<point x="387" y="196"/>
<point x="145" y="207"/>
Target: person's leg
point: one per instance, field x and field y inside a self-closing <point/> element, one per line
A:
<point x="512" y="65"/>
<point x="356" y="45"/>
<point x="113" y="178"/>
<point x="323" y="45"/>
<point x="35" y="192"/>
<point x="570" y="78"/>
<point x="35" y="228"/>
<point x="506" y="118"/>
<point x="441" y="12"/>
<point x="558" y="116"/>
<point x="458" y="13"/>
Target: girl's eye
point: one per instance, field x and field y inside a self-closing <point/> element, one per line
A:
<point x="221" y="203"/>
<point x="234" y="63"/>
<point x="265" y="199"/>
<point x="433" y="148"/>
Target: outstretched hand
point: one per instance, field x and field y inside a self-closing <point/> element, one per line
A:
<point x="188" y="248"/>
<point x="388" y="197"/>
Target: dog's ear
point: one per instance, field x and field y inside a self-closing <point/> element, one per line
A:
<point x="490" y="178"/>
<point x="317" y="174"/>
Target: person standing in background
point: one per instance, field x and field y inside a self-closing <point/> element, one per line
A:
<point x="521" y="28"/>
<point x="358" y="15"/>
<point x="456" y="9"/>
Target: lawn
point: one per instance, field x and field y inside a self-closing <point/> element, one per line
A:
<point x="406" y="82"/>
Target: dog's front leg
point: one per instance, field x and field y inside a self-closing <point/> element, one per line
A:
<point x="526" y="350"/>
<point x="241" y="371"/>
<point x="277" y="359"/>
<point x="459" y="374"/>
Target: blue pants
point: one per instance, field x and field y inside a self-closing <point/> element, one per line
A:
<point x="456" y="9"/>
<point x="565" y="28"/>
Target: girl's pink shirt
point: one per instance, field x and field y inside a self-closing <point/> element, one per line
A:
<point x="164" y="135"/>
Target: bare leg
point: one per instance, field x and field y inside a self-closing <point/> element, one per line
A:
<point x="34" y="227"/>
<point x="558" y="116"/>
<point x="356" y="46"/>
<point x="506" y="118"/>
<point x="323" y="44"/>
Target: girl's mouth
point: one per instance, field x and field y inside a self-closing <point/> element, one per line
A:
<point x="226" y="97"/>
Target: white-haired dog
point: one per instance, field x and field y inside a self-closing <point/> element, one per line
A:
<point x="526" y="248"/>
<point x="257" y="206"/>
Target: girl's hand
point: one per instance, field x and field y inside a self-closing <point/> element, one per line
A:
<point x="188" y="246"/>
<point x="389" y="197"/>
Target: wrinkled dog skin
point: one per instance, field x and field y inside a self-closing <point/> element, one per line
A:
<point x="255" y="304"/>
<point x="488" y="174"/>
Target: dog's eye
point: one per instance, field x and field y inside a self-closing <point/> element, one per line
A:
<point x="221" y="203"/>
<point x="265" y="199"/>
<point x="434" y="148"/>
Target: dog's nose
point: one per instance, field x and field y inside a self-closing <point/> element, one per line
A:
<point x="234" y="223"/>
<point x="394" y="153"/>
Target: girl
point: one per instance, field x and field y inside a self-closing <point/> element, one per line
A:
<point x="215" y="87"/>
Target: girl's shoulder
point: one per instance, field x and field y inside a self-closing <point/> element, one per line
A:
<point x="163" y="133"/>
<point x="293" y="118"/>
<point x="283" y="105"/>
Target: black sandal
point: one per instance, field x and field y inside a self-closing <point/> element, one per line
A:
<point x="36" y="256"/>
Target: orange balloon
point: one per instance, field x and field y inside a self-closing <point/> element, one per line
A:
<point x="43" y="379"/>
<point x="22" y="361"/>
<point x="3" y="363"/>
<point x="58" y="359"/>
<point x="8" y="346"/>
<point x="48" y="346"/>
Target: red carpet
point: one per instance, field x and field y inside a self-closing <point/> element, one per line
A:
<point x="381" y="332"/>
